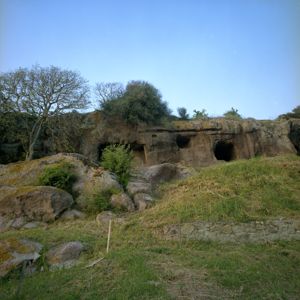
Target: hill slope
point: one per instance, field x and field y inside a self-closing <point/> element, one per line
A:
<point x="245" y="190"/>
<point x="142" y="266"/>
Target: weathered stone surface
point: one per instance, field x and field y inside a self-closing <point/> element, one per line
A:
<point x="31" y="225"/>
<point x="139" y="186"/>
<point x="191" y="142"/>
<point x="72" y="215"/>
<point x="162" y="173"/>
<point x="104" y="217"/>
<point x="18" y="222"/>
<point x="64" y="255"/>
<point x="122" y="201"/>
<point x="142" y="201"/>
<point x="33" y="203"/>
<point x="253" y="232"/>
<point x="13" y="252"/>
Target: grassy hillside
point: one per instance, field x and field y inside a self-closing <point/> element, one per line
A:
<point x="141" y="265"/>
<point x="244" y="190"/>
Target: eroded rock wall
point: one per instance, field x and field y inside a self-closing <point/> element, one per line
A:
<point x="195" y="143"/>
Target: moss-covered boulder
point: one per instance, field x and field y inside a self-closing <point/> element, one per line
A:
<point x="14" y="252"/>
<point x="34" y="203"/>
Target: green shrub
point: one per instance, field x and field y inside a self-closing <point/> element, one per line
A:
<point x="98" y="202"/>
<point x="232" y="114"/>
<point x="60" y="176"/>
<point x="200" y="115"/>
<point x="117" y="159"/>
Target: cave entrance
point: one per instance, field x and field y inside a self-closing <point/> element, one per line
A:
<point x="224" y="151"/>
<point x="101" y="148"/>
<point x="138" y="152"/>
<point x="183" y="141"/>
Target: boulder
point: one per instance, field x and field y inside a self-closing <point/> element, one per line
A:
<point x="33" y="203"/>
<point x="13" y="252"/>
<point x="122" y="201"/>
<point x="138" y="186"/>
<point x="89" y="176"/>
<point x="142" y="201"/>
<point x="64" y="255"/>
<point x="162" y="173"/>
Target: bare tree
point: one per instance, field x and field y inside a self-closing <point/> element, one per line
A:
<point x="106" y="91"/>
<point x="42" y="93"/>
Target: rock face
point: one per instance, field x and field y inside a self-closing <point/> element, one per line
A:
<point x="13" y="252"/>
<point x="196" y="143"/>
<point x="64" y="255"/>
<point x="33" y="203"/>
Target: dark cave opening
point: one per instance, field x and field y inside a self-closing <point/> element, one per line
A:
<point x="183" y="141"/>
<point x="224" y="151"/>
<point x="101" y="148"/>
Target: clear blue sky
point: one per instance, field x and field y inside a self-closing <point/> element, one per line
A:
<point x="212" y="54"/>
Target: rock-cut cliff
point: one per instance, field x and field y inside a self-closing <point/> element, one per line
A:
<point x="195" y="143"/>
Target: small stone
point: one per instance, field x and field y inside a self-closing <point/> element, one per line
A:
<point x="32" y="225"/>
<point x="104" y="217"/>
<point x="72" y="215"/>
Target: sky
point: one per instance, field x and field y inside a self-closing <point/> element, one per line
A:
<point x="200" y="54"/>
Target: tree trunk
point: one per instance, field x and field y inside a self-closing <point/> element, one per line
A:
<point x="35" y="133"/>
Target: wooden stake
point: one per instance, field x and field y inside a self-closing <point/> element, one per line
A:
<point x="108" y="236"/>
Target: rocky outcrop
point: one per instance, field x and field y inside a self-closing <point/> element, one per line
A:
<point x="195" y="143"/>
<point x="33" y="203"/>
<point x="90" y="178"/>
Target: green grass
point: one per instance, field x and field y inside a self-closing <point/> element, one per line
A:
<point x="141" y="265"/>
<point x="132" y="269"/>
<point x="245" y="190"/>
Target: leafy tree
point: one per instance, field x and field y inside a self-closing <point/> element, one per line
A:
<point x="182" y="112"/>
<point x="117" y="159"/>
<point x="140" y="103"/>
<point x="107" y="91"/>
<point x="294" y="114"/>
<point x="232" y="114"/>
<point x="200" y="115"/>
<point x="42" y="93"/>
